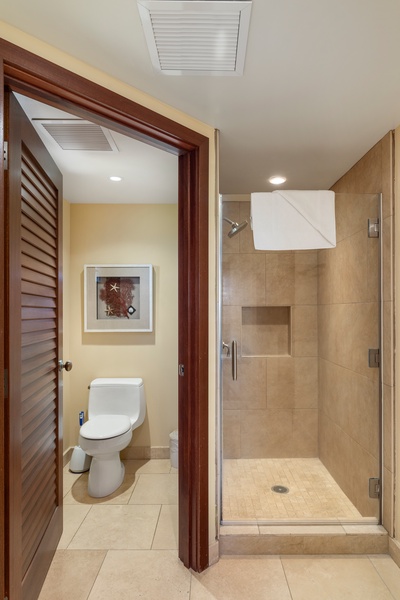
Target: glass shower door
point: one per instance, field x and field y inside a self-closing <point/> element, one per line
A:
<point x="303" y="415"/>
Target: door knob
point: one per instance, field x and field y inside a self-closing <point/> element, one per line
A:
<point x="64" y="365"/>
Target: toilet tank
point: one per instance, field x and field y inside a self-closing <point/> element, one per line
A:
<point x="118" y="396"/>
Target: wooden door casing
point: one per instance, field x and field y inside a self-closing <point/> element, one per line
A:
<point x="34" y="500"/>
<point x="26" y="73"/>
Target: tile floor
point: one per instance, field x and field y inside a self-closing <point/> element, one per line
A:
<point x="124" y="548"/>
<point x="313" y="493"/>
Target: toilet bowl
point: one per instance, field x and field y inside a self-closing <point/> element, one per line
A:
<point x="117" y="406"/>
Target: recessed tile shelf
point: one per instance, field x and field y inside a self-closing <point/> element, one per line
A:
<point x="266" y="331"/>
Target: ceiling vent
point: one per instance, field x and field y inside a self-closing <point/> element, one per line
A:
<point x="194" y="37"/>
<point x="77" y="134"/>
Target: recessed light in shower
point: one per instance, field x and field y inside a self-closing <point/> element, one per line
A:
<point x="115" y="178"/>
<point x="277" y="179"/>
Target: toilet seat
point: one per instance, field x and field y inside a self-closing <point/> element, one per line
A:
<point x="104" y="427"/>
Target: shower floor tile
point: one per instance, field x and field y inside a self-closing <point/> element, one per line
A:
<point x="313" y="493"/>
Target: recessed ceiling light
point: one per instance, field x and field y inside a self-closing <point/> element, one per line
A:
<point x="277" y="179"/>
<point x="115" y="178"/>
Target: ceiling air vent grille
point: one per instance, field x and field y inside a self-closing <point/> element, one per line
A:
<point x="196" y="37"/>
<point x="77" y="134"/>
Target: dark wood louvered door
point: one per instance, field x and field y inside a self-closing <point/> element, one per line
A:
<point x="34" y="490"/>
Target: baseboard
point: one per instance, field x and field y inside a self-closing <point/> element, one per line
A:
<point x="213" y="553"/>
<point x="394" y="550"/>
<point x="67" y="456"/>
<point x="131" y="453"/>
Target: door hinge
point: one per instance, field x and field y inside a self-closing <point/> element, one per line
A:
<point x="181" y="370"/>
<point x="374" y="487"/>
<point x="374" y="359"/>
<point x="5" y="155"/>
<point x="373" y="228"/>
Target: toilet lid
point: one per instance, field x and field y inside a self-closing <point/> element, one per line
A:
<point x="104" y="427"/>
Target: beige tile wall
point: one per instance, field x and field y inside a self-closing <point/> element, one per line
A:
<point x="347" y="301"/>
<point x="271" y="411"/>
<point x="348" y="325"/>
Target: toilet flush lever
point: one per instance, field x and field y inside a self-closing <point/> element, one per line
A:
<point x="64" y="365"/>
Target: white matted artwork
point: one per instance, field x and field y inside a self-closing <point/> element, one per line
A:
<point x="118" y="298"/>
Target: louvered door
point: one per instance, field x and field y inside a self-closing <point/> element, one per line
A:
<point x="34" y="504"/>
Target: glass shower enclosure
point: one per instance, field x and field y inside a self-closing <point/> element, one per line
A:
<point x="301" y="396"/>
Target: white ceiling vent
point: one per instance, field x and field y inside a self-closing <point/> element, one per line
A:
<point x="196" y="37"/>
<point x="77" y="134"/>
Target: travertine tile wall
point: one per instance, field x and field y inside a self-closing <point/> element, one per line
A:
<point x="271" y="411"/>
<point x="370" y="175"/>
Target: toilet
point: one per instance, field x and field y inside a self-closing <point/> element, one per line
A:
<point x="117" y="406"/>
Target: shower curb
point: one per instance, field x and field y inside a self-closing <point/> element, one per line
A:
<point x="334" y="540"/>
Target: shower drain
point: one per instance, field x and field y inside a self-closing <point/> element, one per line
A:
<point x="280" y="489"/>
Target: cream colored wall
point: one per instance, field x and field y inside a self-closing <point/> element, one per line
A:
<point x="128" y="234"/>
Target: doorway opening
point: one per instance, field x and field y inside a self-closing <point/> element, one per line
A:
<point x="28" y="74"/>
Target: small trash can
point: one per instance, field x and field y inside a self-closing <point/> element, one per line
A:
<point x="80" y="461"/>
<point x="173" y="448"/>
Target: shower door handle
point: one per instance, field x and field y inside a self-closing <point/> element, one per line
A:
<point x="234" y="360"/>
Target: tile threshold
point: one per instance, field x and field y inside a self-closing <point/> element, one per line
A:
<point x="316" y="539"/>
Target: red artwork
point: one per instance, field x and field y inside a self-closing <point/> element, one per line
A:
<point x="117" y="294"/>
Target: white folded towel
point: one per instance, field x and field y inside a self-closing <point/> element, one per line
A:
<point x="293" y="219"/>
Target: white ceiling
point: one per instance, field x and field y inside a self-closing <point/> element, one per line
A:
<point x="149" y="175"/>
<point x="321" y="81"/>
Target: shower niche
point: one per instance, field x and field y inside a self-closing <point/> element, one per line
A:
<point x="266" y="331"/>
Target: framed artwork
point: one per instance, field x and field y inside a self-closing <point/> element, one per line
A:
<point x="118" y="298"/>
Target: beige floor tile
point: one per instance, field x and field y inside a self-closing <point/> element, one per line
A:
<point x="389" y="572"/>
<point x="72" y="574"/>
<point x="166" y="536"/>
<point x="79" y="492"/>
<point x="155" y="465"/>
<point x="117" y="527"/>
<point x="68" y="480"/>
<point x="334" y="578"/>
<point x="152" y="575"/>
<point x="239" y="577"/>
<point x="156" y="489"/>
<point x="73" y="516"/>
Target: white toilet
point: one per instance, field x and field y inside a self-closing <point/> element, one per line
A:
<point x="117" y="406"/>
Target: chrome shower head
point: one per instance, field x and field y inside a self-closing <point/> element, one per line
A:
<point x="235" y="227"/>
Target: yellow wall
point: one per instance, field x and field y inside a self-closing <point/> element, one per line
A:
<point x="127" y="234"/>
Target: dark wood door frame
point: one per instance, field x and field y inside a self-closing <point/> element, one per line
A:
<point x="38" y="78"/>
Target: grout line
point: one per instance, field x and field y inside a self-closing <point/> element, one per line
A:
<point x="95" y="579"/>
<point x="155" y="528"/>
<point x="380" y="576"/>
<point x="286" y="577"/>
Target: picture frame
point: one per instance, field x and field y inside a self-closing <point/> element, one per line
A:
<point x="118" y="298"/>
